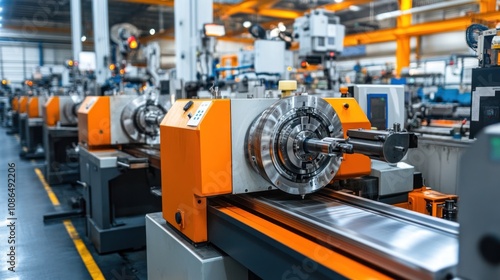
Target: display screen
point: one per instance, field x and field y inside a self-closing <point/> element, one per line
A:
<point x="377" y="107"/>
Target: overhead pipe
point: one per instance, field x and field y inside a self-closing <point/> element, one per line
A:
<point x="422" y="9"/>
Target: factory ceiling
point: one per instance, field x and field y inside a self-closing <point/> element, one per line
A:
<point x="358" y="15"/>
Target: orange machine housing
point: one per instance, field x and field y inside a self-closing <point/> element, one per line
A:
<point x="15" y="104"/>
<point x="33" y="109"/>
<point x="352" y="117"/>
<point x="94" y="122"/>
<point x="197" y="161"/>
<point x="51" y="113"/>
<point x="418" y="200"/>
<point x="23" y="104"/>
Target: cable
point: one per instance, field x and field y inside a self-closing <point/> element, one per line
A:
<point x="471" y="34"/>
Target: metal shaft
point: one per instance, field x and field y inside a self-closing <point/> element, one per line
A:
<point x="327" y="146"/>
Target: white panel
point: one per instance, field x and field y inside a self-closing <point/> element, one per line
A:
<point x="224" y="47"/>
<point x="444" y="44"/>
<point x="269" y="56"/>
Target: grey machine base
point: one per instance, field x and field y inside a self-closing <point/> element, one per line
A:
<point x="131" y="235"/>
<point x="116" y="201"/>
<point x="32" y="138"/>
<point x="61" y="167"/>
<point x="170" y="256"/>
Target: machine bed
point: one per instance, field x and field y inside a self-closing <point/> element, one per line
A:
<point x="390" y="240"/>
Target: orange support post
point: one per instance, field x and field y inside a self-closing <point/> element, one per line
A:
<point x="487" y="6"/>
<point x="403" y="41"/>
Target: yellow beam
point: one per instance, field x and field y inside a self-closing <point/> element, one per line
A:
<point x="237" y="40"/>
<point x="403" y="50"/>
<point x="268" y="4"/>
<point x="386" y="35"/>
<point x="225" y="13"/>
<point x="487" y="6"/>
<point x="275" y="13"/>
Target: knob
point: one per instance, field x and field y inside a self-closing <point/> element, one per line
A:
<point x="178" y="217"/>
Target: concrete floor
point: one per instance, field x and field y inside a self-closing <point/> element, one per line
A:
<point x="46" y="250"/>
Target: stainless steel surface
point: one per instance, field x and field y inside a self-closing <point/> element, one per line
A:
<point x="274" y="150"/>
<point x="412" y="245"/>
<point x="438" y="158"/>
<point x="35" y="121"/>
<point x="68" y="105"/>
<point x="170" y="256"/>
<point x="478" y="217"/>
<point x="136" y="118"/>
<point x="393" y="179"/>
<point x="117" y="104"/>
<point x="103" y="159"/>
<point x="243" y="113"/>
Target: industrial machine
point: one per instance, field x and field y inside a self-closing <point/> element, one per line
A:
<point x="321" y="40"/>
<point x="479" y="239"/>
<point x="261" y="195"/>
<point x="382" y="104"/>
<point x="31" y="127"/>
<point x="485" y="108"/>
<point x="13" y="115"/>
<point x="60" y="138"/>
<point x="119" y="169"/>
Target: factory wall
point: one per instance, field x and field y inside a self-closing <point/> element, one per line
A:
<point x="18" y="59"/>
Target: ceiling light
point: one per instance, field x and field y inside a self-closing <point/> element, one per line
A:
<point x="1" y="25"/>
<point x="354" y="8"/>
<point x="1" y="17"/>
<point x="339" y="1"/>
<point x="281" y="27"/>
<point x="1" y="9"/>
<point x="152" y="31"/>
<point x="247" y="24"/>
<point x="84" y="38"/>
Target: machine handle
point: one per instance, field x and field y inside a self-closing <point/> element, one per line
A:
<point x="83" y="184"/>
<point x="122" y="164"/>
<point x="135" y="163"/>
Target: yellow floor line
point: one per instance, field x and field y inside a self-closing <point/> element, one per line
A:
<point x="88" y="260"/>
<point x="48" y="189"/>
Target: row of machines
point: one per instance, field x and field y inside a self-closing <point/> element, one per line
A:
<point x="60" y="138"/>
<point x="119" y="166"/>
<point x="26" y="121"/>
<point x="248" y="189"/>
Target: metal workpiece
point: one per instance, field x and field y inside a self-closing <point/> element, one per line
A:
<point x="387" y="145"/>
<point x="328" y="146"/>
<point x="400" y="243"/>
<point x="141" y="118"/>
<point x="276" y="141"/>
